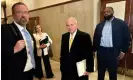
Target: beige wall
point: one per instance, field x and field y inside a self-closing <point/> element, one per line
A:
<point x="9" y="4"/>
<point x="118" y="12"/>
<point x="34" y="4"/>
<point x="53" y="20"/>
<point x="96" y="12"/>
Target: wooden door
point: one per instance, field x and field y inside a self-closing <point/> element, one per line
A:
<point x="33" y="21"/>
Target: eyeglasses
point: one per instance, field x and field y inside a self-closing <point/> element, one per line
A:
<point x="21" y="12"/>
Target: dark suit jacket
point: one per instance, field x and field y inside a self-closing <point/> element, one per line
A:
<point x="12" y="65"/>
<point x="120" y="35"/>
<point x="81" y="49"/>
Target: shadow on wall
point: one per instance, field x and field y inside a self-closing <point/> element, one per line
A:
<point x="50" y="52"/>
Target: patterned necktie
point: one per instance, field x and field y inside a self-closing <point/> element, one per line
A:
<point x="70" y="43"/>
<point x="29" y="46"/>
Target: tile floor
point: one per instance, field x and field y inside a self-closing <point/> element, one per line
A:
<point x="56" y="70"/>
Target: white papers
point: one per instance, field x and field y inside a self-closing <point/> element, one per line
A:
<point x="81" y="67"/>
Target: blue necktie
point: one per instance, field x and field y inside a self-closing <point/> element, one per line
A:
<point x="29" y="45"/>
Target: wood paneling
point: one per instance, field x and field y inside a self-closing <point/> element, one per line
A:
<point x="35" y="4"/>
<point x="53" y="5"/>
<point x="53" y="20"/>
<point x="33" y="21"/>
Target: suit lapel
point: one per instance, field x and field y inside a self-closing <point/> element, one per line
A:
<point x="16" y="31"/>
<point x="74" y="40"/>
<point x="18" y="35"/>
<point x="66" y="40"/>
<point x="101" y="27"/>
<point x="113" y="29"/>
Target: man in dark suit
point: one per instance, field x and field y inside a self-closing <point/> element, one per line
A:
<point x="75" y="47"/>
<point x="18" y="50"/>
<point x="111" y="41"/>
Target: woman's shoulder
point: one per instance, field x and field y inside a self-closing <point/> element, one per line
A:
<point x="34" y="34"/>
<point x="44" y="33"/>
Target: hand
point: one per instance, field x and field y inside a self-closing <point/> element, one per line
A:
<point x="19" y="46"/>
<point x="86" y="73"/>
<point x="43" y="46"/>
<point x="121" y="56"/>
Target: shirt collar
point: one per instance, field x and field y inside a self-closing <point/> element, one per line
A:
<point x="19" y="26"/>
<point x="72" y="36"/>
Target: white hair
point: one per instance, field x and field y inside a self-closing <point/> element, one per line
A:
<point x="73" y="19"/>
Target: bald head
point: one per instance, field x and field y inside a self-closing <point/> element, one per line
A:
<point x="108" y="13"/>
<point x="71" y="24"/>
<point x="72" y="19"/>
<point x="110" y="8"/>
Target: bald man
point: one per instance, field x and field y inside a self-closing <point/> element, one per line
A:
<point x="111" y="41"/>
<point x="75" y="47"/>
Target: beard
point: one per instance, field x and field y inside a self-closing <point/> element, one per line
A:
<point x="108" y="17"/>
<point x="23" y="21"/>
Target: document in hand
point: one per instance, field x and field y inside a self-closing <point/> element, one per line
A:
<point x="45" y="41"/>
<point x="81" y="67"/>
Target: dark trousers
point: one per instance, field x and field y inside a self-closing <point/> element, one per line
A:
<point x="47" y="66"/>
<point x="84" y="78"/>
<point x="106" y="58"/>
<point x="74" y="78"/>
<point x="28" y="74"/>
<point x="70" y="73"/>
<point x="39" y="72"/>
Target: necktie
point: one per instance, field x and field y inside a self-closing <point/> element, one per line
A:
<point x="29" y="45"/>
<point x="70" y="43"/>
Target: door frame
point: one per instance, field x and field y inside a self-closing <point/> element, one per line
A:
<point x="36" y="22"/>
<point x="128" y="19"/>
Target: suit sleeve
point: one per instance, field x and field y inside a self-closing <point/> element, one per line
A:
<point x="126" y="38"/>
<point x="89" y="55"/>
<point x="7" y="47"/>
<point x="61" y="55"/>
<point x="50" y="41"/>
<point x="95" y="40"/>
<point x="37" y="42"/>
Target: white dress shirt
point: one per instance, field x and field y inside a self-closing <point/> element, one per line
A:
<point x="72" y="35"/>
<point x="28" y="65"/>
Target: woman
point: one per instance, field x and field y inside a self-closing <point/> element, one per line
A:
<point x="42" y="51"/>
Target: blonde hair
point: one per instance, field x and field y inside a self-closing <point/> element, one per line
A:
<point x="36" y="27"/>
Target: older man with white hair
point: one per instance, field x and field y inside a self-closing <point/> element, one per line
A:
<point x="76" y="46"/>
